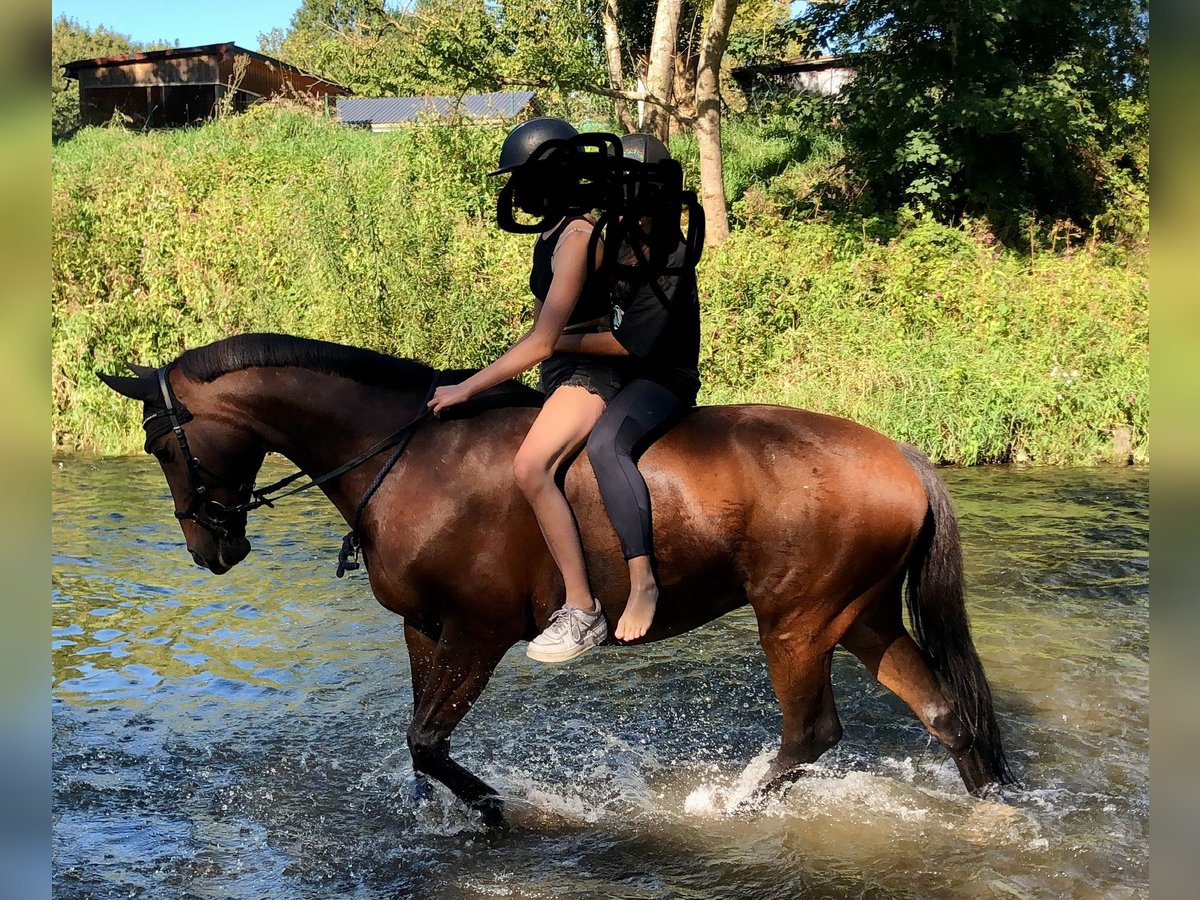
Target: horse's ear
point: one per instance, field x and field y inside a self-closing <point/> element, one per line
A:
<point x="142" y="371"/>
<point x="140" y="388"/>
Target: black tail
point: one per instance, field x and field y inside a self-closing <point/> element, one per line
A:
<point x="939" y="620"/>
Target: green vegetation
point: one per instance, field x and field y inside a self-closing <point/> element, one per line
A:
<point x="278" y="220"/>
<point x="1009" y="109"/>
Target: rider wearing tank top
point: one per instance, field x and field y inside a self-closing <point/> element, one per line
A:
<point x="602" y="376"/>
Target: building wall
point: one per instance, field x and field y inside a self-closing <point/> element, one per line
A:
<point x="184" y="90"/>
<point x="826" y="80"/>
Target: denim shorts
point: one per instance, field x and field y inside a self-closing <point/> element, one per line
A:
<point x="597" y="374"/>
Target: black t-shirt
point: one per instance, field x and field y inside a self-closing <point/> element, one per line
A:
<point x="663" y="338"/>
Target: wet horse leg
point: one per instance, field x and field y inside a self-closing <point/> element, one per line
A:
<point x="878" y="638"/>
<point x="421" y="647"/>
<point x="454" y="675"/>
<point x="800" y="676"/>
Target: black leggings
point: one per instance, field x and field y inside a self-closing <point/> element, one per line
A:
<point x="641" y="413"/>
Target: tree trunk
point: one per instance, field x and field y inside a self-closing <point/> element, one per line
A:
<point x="708" y="120"/>
<point x="612" y="53"/>
<point x="661" y="76"/>
<point x="684" y="90"/>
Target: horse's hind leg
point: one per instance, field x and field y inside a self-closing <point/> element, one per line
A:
<point x="878" y="638"/>
<point x="800" y="677"/>
<point x="454" y="676"/>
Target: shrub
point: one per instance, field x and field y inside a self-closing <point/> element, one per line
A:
<point x="279" y="220"/>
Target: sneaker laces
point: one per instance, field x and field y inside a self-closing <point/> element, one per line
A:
<point x="564" y="620"/>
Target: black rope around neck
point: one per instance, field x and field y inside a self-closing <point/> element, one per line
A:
<point x="348" y="556"/>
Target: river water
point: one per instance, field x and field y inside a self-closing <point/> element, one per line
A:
<point x="242" y="736"/>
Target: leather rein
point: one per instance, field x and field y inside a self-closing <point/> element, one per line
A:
<point x="214" y="515"/>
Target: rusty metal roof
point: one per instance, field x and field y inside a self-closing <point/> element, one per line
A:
<point x="220" y="51"/>
<point x="397" y="110"/>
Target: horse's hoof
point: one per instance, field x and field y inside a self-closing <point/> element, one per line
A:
<point x="992" y="791"/>
<point x="491" y="812"/>
<point x="422" y="790"/>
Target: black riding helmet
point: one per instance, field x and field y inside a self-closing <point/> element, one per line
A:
<point x="644" y="148"/>
<point x="524" y="140"/>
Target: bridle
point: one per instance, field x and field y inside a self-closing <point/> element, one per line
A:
<point x="205" y="511"/>
<point x="214" y="516"/>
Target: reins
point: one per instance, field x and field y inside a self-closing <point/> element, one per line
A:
<point x="217" y="512"/>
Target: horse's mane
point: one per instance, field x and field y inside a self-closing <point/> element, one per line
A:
<point x="246" y="351"/>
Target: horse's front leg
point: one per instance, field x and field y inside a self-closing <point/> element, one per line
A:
<point x="454" y="676"/>
<point x="421" y="646"/>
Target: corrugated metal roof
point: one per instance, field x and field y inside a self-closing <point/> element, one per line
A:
<point x="394" y="110"/>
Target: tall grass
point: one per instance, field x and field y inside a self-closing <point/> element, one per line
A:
<point x="278" y="220"/>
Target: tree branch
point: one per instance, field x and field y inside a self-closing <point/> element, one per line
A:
<point x="612" y="93"/>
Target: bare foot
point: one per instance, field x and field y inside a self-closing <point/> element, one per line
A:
<point x="639" y="613"/>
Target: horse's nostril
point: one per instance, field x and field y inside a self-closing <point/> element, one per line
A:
<point x="234" y="552"/>
<point x="196" y="558"/>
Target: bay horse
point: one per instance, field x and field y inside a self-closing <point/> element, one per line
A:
<point x="815" y="521"/>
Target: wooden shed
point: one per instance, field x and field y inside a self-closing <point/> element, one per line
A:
<point x="183" y="85"/>
<point x="820" y="75"/>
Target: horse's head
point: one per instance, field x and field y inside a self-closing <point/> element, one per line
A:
<point x="210" y="461"/>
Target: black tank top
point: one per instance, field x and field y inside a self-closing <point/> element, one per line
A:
<point x="593" y="302"/>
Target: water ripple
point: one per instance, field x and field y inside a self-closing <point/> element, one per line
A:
<point x="245" y="736"/>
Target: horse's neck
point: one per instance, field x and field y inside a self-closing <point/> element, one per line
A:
<point x="320" y="422"/>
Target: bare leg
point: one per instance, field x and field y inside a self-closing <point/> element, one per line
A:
<point x="643" y="599"/>
<point x="558" y="433"/>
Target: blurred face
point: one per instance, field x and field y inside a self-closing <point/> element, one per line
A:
<point x="531" y="193"/>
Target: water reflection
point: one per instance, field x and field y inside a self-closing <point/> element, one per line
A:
<point x="244" y="735"/>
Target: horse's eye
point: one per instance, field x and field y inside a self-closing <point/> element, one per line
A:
<point x="164" y="455"/>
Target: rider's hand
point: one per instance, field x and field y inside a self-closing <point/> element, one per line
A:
<point x="448" y="395"/>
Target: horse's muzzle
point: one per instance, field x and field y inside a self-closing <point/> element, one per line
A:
<point x="229" y="554"/>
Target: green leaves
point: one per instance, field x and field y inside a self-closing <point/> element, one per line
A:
<point x="281" y="220"/>
<point x="997" y="108"/>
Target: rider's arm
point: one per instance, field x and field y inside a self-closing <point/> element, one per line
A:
<point x="570" y="272"/>
<point x="600" y="343"/>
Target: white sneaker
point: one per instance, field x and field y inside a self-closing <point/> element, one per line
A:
<point x="571" y="632"/>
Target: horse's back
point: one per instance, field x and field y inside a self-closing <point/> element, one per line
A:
<point x="747" y="502"/>
<point x="765" y="454"/>
<point x="756" y="503"/>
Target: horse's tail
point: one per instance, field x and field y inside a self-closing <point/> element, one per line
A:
<point x="939" y="620"/>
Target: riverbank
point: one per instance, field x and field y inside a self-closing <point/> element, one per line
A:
<point x="277" y="220"/>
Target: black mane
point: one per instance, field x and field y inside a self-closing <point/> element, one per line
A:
<point x="246" y="351"/>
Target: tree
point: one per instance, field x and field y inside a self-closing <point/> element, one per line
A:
<point x="708" y="115"/>
<point x="350" y="42"/>
<point x="993" y="108"/>
<point x="554" y="45"/>
<point x="660" y="73"/>
<point x="599" y="47"/>
<point x="610" y="16"/>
